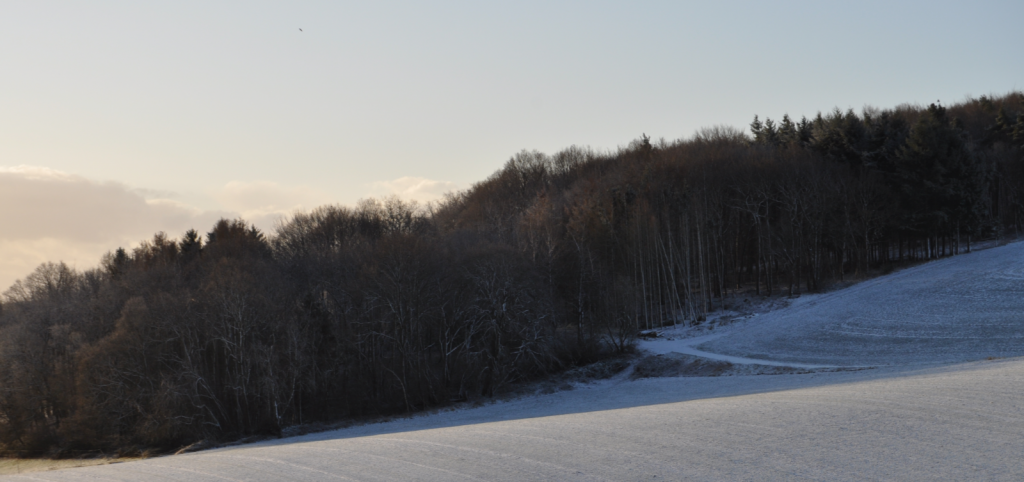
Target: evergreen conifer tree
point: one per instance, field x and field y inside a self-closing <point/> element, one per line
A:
<point x="886" y="135"/>
<point x="840" y="137"/>
<point x="788" y="134"/>
<point x="757" y="128"/>
<point x="804" y="130"/>
<point x="116" y="265"/>
<point x="942" y="181"/>
<point x="190" y="246"/>
<point x="770" y="132"/>
<point x="986" y="104"/>
<point x="1001" y="124"/>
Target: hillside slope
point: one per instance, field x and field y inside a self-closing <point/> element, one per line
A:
<point x="935" y="409"/>
<point x="956" y="309"/>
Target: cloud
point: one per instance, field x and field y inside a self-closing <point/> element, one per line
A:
<point x="415" y="188"/>
<point x="264" y="203"/>
<point x="49" y="215"/>
<point x="38" y="203"/>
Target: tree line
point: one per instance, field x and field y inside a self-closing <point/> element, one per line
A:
<point x="553" y="261"/>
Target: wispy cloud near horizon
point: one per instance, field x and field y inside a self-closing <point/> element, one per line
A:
<point x="38" y="202"/>
<point x="50" y="215"/>
<point x="415" y="188"/>
<point x="265" y="203"/>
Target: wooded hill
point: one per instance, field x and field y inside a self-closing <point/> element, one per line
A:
<point x="553" y="261"/>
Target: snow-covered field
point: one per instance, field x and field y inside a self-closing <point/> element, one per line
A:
<point x="957" y="309"/>
<point x="933" y="408"/>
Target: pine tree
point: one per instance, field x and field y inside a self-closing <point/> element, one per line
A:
<point x="116" y="264"/>
<point x="257" y="235"/>
<point x="757" y="129"/>
<point x="191" y="245"/>
<point x="788" y="134"/>
<point x="886" y="135"/>
<point x="839" y="137"/>
<point x="804" y="129"/>
<point x="770" y="132"/>
<point x="644" y="148"/>
<point x="986" y="104"/>
<point x="942" y="181"/>
<point x="1001" y="124"/>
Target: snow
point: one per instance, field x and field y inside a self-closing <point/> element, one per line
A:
<point x="957" y="309"/>
<point x="934" y="408"/>
<point x="687" y="346"/>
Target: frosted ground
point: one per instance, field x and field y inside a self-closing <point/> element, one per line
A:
<point x="944" y="400"/>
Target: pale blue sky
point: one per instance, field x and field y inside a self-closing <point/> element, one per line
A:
<point x="226" y="107"/>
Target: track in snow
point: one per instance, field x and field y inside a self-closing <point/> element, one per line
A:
<point x="927" y="414"/>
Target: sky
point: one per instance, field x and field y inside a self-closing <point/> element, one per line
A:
<point x="119" y="119"/>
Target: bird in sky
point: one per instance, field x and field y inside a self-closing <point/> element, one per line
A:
<point x="300" y="29"/>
